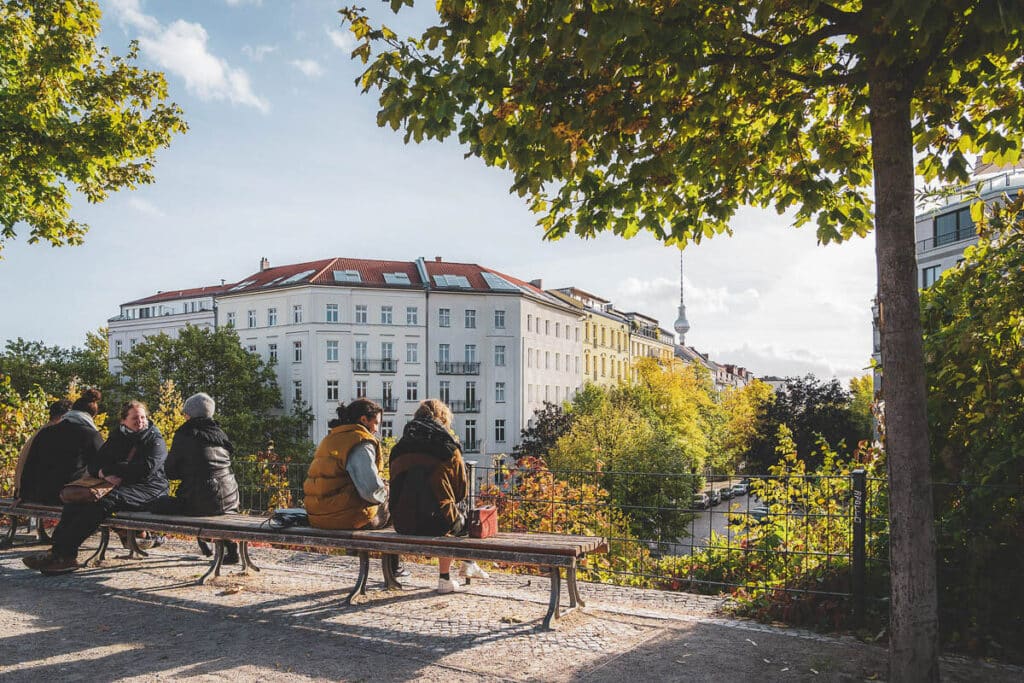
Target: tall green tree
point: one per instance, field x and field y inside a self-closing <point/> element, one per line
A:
<point x="72" y="117"/>
<point x="52" y="368"/>
<point x="668" y="115"/>
<point x="249" y="404"/>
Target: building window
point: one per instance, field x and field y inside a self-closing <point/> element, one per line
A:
<point x="385" y="315"/>
<point x="529" y="323"/>
<point x="412" y="352"/>
<point x="471" y="394"/>
<point x="412" y="315"/>
<point x="231" y="319"/>
<point x="332" y="351"/>
<point x="577" y="333"/>
<point x="412" y="390"/>
<point x="332" y="313"/>
<point x="387" y="352"/>
<point x="252" y="318"/>
<point x="499" y="392"/>
<point x="251" y="348"/>
<point x="361" y="388"/>
<point x="547" y="360"/>
<point x="470" y="353"/>
<point x="558" y="329"/>
<point x="118" y="348"/>
<point x="470" y="318"/>
<point x="272" y="352"/>
<point x="499" y="355"/>
<point x="297" y="352"/>
<point x="499" y="320"/>
<point x="444" y="317"/>
<point x="444" y="353"/>
<point x="529" y="358"/>
<point x="333" y="390"/>
<point x="361" y="356"/>
<point x="387" y="428"/>
<point x="361" y="314"/>
<point x="297" y="388"/>
<point x="499" y="431"/>
<point x="547" y="327"/>
<point x="929" y="276"/>
<point x="297" y="313"/>
<point x="386" y="393"/>
<point x="953" y="227"/>
<point x="558" y="361"/>
<point x="470" y="434"/>
<point x="271" y="317"/>
<point x="445" y="391"/>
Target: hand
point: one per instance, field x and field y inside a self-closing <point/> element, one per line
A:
<point x="111" y="478"/>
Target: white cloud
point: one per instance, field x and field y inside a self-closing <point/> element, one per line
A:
<point x="788" y="362"/>
<point x="342" y="40"/>
<point x="309" y="67"/>
<point x="142" y="206"/>
<point x="660" y="292"/>
<point x="181" y="49"/>
<point x="236" y="3"/>
<point x="257" y="52"/>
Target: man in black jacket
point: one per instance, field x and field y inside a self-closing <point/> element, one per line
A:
<point x="61" y="452"/>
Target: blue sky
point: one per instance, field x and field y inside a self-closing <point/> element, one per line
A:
<point x="283" y="159"/>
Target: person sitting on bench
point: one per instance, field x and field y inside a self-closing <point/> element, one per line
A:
<point x="200" y="457"/>
<point x="61" y="451"/>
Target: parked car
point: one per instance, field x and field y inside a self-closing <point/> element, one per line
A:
<point x="739" y="490"/>
<point x="759" y="513"/>
<point x="725" y="493"/>
<point x="713" y="497"/>
<point x="701" y="501"/>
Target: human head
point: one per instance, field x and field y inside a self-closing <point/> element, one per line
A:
<point x="88" y="402"/>
<point x="59" y="408"/>
<point x="199" y="405"/>
<point x="360" y="411"/>
<point x="135" y="415"/>
<point x="436" y="410"/>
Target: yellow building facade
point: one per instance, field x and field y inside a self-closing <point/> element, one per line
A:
<point x="648" y="340"/>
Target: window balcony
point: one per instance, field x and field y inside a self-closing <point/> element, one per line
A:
<point x="379" y="365"/>
<point x="389" y="404"/>
<point x="946" y="238"/>
<point x="464" y="406"/>
<point x="451" y="368"/>
<point x="471" y="446"/>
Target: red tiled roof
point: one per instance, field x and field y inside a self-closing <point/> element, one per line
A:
<point x="372" y="271"/>
<point x="175" y="294"/>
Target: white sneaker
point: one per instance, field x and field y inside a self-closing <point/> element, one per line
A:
<point x="471" y="570"/>
<point x="447" y="585"/>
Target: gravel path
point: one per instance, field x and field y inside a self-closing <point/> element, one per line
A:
<point x="146" y="620"/>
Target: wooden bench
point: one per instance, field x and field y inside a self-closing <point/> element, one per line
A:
<point x="551" y="552"/>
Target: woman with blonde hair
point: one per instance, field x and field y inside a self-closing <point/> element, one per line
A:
<point x="429" y="485"/>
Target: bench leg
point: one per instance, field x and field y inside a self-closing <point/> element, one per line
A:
<point x="218" y="559"/>
<point x="243" y="555"/>
<point x="133" y="545"/>
<point x="574" y="592"/>
<point x="556" y="596"/>
<point x="41" y="534"/>
<point x="97" y="557"/>
<point x="8" y="540"/>
<point x="390" y="582"/>
<point x="364" y="570"/>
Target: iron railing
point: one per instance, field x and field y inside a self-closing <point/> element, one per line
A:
<point x="445" y="367"/>
<point x="381" y="365"/>
<point x="465" y="406"/>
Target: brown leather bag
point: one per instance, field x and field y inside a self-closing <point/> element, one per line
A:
<point x="85" y="490"/>
<point x="483" y="522"/>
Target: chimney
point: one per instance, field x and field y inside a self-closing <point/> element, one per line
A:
<point x="537" y="283"/>
<point x="437" y="259"/>
<point x="264" y="263"/>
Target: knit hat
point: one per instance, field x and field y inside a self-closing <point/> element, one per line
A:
<point x="199" y="405"/>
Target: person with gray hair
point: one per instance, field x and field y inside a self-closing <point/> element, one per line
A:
<point x="200" y="457"/>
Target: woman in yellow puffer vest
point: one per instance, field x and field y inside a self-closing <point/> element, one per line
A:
<point x="343" y="488"/>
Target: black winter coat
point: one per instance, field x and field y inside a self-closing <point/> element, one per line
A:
<point x="143" y="478"/>
<point x="201" y="458"/>
<point x="59" y="454"/>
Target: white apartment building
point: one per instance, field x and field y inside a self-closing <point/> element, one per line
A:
<point x="491" y="346"/>
<point x="167" y="312"/>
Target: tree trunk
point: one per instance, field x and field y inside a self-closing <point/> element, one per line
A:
<point x="913" y="624"/>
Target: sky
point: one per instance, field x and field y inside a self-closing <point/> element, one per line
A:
<point x="283" y="159"/>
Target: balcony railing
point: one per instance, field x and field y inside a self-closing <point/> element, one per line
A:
<point x="946" y="238"/>
<point x="445" y="367"/>
<point x="465" y="406"/>
<point x="390" y="404"/>
<point x="383" y="365"/>
<point x="471" y="446"/>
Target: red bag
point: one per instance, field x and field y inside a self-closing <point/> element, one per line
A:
<point x="483" y="522"/>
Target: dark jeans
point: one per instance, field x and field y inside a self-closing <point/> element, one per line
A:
<point x="79" y="521"/>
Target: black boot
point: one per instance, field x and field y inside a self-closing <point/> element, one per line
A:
<point x="230" y="553"/>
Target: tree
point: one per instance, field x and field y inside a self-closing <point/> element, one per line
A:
<point x="549" y="423"/>
<point x="862" y="400"/>
<point x="72" y="116"/>
<point x="245" y="388"/>
<point x="53" y="368"/>
<point x="667" y="116"/>
<point x="813" y="410"/>
<point x="740" y="427"/>
<point x="20" y="417"/>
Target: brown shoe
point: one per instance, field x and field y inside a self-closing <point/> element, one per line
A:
<point x="37" y="560"/>
<point x="58" y="565"/>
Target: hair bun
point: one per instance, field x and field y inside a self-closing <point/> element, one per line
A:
<point x="92" y="395"/>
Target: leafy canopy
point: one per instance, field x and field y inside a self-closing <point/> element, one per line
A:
<point x="667" y="115"/>
<point x="72" y="116"/>
<point x="53" y="368"/>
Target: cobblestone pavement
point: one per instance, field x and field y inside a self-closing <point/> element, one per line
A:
<point x="148" y="620"/>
